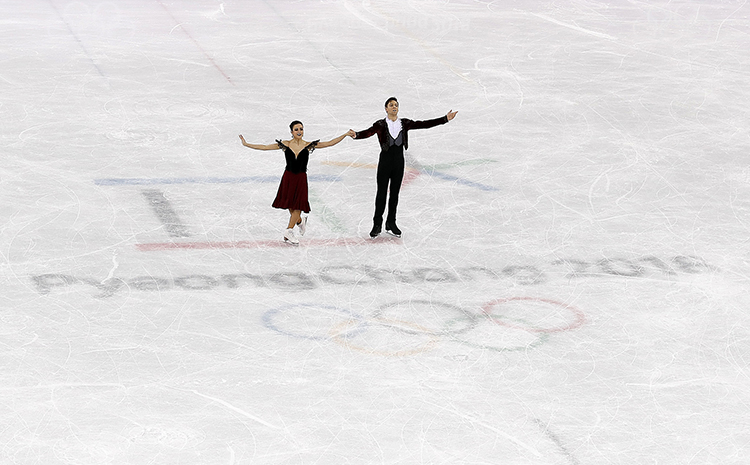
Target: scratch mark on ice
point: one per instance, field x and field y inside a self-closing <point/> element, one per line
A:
<point x="601" y="35"/>
<point x="111" y="273"/>
<point x="498" y="431"/>
<point x="232" y="408"/>
<point x="553" y="437"/>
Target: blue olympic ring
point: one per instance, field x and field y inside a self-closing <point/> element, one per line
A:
<point x="270" y="315"/>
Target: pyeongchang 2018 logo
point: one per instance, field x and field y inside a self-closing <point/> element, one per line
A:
<point x="364" y="275"/>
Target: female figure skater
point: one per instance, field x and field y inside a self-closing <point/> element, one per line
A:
<point x="292" y="193"/>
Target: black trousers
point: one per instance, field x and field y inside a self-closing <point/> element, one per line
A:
<point x="390" y="171"/>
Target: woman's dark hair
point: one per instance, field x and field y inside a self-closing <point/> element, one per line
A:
<point x="392" y="99"/>
<point x="294" y="123"/>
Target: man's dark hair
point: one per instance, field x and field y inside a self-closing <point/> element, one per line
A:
<point x="392" y="99"/>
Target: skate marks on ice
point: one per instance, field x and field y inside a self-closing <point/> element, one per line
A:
<point x="546" y="447"/>
<point x="556" y="440"/>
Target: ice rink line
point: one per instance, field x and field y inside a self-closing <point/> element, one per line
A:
<point x="203" y="180"/>
<point x="340" y="242"/>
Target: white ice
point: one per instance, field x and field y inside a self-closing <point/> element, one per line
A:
<point x="572" y="285"/>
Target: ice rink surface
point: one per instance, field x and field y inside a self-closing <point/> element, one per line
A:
<point x="572" y="284"/>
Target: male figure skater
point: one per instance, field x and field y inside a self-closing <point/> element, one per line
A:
<point x="393" y="135"/>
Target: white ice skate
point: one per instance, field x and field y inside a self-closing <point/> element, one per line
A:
<point x="290" y="237"/>
<point x="302" y="225"/>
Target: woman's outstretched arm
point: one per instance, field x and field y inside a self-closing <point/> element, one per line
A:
<point x="259" y="146"/>
<point x="335" y="141"/>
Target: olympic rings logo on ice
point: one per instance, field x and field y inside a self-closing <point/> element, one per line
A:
<point x="404" y="328"/>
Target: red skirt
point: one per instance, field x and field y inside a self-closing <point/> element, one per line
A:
<point x="292" y="193"/>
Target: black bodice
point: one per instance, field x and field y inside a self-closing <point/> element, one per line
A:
<point x="297" y="164"/>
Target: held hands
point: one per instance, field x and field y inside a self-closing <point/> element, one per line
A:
<point x="451" y="114"/>
<point x="351" y="134"/>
